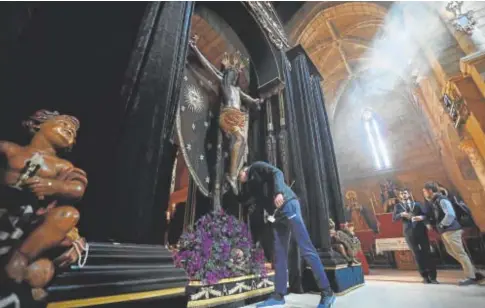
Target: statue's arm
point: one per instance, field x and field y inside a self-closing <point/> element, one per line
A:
<point x="248" y="99"/>
<point x="206" y="63"/>
<point x="6" y="149"/>
<point x="73" y="183"/>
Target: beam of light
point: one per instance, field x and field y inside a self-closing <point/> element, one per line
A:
<point x="380" y="143"/>
<point x="373" y="145"/>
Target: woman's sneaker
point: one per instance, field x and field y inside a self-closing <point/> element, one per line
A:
<point x="467" y="282"/>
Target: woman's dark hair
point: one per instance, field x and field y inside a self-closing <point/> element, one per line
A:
<point x="431" y="186"/>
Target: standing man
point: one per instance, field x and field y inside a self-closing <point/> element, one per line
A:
<point x="451" y="232"/>
<point x="413" y="217"/>
<point x="266" y="184"/>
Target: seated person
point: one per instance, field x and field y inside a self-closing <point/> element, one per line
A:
<point x="345" y="242"/>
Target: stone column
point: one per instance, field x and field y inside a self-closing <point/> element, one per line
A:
<point x="470" y="149"/>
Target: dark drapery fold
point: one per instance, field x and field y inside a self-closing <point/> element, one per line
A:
<point x="312" y="157"/>
<point x="294" y="148"/>
<point x="311" y="145"/>
<point x="144" y="155"/>
<point x="335" y="200"/>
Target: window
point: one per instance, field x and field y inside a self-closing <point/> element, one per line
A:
<point x="379" y="150"/>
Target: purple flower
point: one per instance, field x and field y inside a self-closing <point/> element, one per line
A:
<point x="205" y="252"/>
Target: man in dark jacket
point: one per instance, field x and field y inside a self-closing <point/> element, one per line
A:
<point x="413" y="217"/>
<point x="265" y="183"/>
<point x="444" y="216"/>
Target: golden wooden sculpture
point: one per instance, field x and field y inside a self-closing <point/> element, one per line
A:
<point x="34" y="175"/>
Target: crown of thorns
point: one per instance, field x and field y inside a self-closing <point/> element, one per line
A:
<point x="234" y="61"/>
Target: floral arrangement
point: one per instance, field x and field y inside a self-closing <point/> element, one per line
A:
<point x="218" y="247"/>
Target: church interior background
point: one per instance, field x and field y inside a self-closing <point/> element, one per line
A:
<point x="403" y="103"/>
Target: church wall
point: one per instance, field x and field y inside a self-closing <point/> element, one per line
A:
<point x="405" y="136"/>
<point x="457" y="165"/>
<point x="368" y="188"/>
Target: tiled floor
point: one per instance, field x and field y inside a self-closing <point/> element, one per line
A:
<point x="444" y="276"/>
<point x="404" y="294"/>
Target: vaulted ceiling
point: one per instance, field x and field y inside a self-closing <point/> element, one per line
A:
<point x="338" y="39"/>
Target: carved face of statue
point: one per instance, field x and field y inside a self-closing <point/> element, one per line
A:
<point x="230" y="76"/>
<point x="59" y="131"/>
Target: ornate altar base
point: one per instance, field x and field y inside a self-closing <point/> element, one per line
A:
<point x="128" y="275"/>
<point x="121" y="275"/>
<point x="244" y="289"/>
<point x="125" y="275"/>
<point x="343" y="279"/>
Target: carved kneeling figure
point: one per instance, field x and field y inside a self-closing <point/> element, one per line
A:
<point x="35" y="175"/>
<point x="53" y="230"/>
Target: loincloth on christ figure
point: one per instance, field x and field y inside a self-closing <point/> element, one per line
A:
<point x="232" y="120"/>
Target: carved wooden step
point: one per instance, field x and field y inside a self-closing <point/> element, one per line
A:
<point x="114" y="269"/>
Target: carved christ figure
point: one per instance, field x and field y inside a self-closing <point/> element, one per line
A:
<point x="231" y="120"/>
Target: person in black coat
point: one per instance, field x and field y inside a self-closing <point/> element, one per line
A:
<point x="414" y="220"/>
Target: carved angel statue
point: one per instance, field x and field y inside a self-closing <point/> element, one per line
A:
<point x="38" y="190"/>
<point x="232" y="120"/>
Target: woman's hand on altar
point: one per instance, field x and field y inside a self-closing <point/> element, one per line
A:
<point x="42" y="187"/>
<point x="279" y="200"/>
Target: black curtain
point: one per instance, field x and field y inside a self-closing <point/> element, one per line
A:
<point x="335" y="200"/>
<point x="145" y="155"/>
<point x="312" y="156"/>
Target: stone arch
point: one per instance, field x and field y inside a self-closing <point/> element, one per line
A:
<point x="336" y="37"/>
<point x="310" y="10"/>
<point x="341" y="11"/>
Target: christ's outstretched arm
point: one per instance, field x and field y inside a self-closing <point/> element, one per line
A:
<point x="206" y="63"/>
<point x="248" y="99"/>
